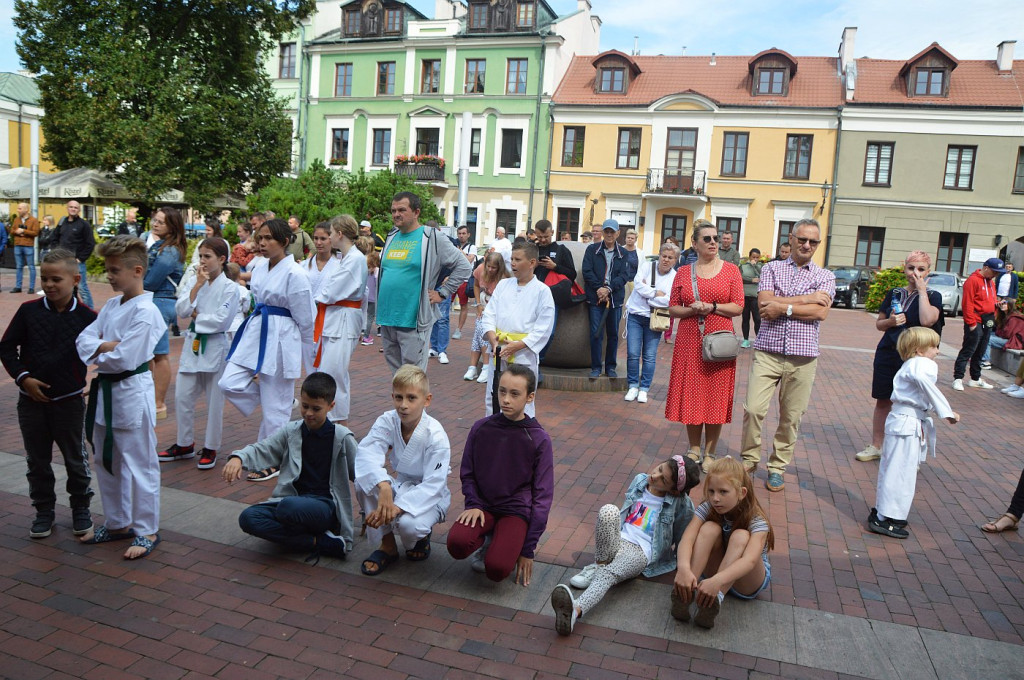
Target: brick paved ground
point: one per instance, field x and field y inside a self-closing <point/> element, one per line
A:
<point x="948" y="576"/>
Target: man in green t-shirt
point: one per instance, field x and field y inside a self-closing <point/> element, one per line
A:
<point x="411" y="283"/>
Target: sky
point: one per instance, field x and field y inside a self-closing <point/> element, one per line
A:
<point x="887" y="29"/>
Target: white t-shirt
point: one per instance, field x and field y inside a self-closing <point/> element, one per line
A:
<point x="638" y="528"/>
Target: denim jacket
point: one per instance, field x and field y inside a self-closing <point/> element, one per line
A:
<point x="676" y="513"/>
<point x="164" y="271"/>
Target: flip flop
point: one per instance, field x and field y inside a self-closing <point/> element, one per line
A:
<point x="422" y="546"/>
<point x="143" y="542"/>
<point x="996" y="530"/>
<point x="263" y="475"/>
<point x="104" y="535"/>
<point x="382" y="559"/>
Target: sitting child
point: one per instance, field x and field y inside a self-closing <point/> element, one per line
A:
<point x="508" y="481"/>
<point x="727" y="544"/>
<point x="311" y="507"/>
<point x="417" y="497"/>
<point x="632" y="540"/>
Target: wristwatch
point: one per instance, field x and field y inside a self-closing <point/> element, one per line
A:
<point x="789" y="310"/>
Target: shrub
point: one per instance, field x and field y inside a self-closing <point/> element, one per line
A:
<point x="885" y="280"/>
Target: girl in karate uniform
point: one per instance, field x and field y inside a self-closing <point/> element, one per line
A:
<point x="340" y="315"/>
<point x="266" y="356"/>
<point x="212" y="304"/>
<point x="321" y="266"/>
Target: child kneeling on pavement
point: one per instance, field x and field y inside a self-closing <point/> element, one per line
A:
<point x="311" y="507"/>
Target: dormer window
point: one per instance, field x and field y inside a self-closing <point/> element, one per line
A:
<point x="928" y="72"/>
<point x="771" y="81"/>
<point x="770" y="73"/>
<point x="525" y="14"/>
<point x="612" y="80"/>
<point x="614" y="72"/>
<point x="352" y="19"/>
<point x="478" y="16"/>
<point x="393" y="21"/>
<point x="930" y="82"/>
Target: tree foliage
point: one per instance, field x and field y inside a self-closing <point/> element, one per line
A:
<point x="161" y="94"/>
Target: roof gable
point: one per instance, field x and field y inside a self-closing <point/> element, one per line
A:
<point x="934" y="50"/>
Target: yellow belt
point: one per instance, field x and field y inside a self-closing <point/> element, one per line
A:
<point x="506" y="337"/>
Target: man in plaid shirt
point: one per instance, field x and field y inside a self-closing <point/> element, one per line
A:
<point x="794" y="297"/>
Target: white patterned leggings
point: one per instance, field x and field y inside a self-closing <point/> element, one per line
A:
<point x="621" y="559"/>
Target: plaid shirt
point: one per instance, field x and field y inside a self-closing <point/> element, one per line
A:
<point x="787" y="335"/>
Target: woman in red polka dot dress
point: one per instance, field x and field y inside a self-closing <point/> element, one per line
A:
<point x="700" y="392"/>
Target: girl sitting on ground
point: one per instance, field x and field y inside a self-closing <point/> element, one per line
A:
<point x="725" y="547"/>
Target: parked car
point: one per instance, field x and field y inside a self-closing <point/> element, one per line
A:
<point x="950" y="285"/>
<point x="105" y="231"/>
<point x="852" y="284"/>
<point x="195" y="230"/>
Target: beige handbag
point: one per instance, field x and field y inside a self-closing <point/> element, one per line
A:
<point x="717" y="346"/>
<point x="660" y="319"/>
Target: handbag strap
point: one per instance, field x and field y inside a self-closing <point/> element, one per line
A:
<point x="696" y="297"/>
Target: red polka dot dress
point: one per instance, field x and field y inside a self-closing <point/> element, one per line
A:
<point x="701" y="392"/>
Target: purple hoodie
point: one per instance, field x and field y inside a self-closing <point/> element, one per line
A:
<point x="508" y="469"/>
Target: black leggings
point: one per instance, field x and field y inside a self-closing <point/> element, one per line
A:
<point x="750" y="309"/>
<point x="1017" y="502"/>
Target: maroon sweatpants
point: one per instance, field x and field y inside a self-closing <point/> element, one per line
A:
<point x="507" y="536"/>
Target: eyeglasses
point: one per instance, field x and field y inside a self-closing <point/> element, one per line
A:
<point x="710" y="239"/>
<point x="803" y="241"/>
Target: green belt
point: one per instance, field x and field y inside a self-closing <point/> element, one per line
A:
<point x="103" y="381"/>
<point x="199" y="342"/>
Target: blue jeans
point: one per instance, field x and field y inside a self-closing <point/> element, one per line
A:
<point x="993" y="341"/>
<point x="23" y="256"/>
<point x="611" y="331"/>
<point x="83" y="286"/>
<point x="439" y="333"/>
<point x="294" y="522"/>
<point x="640" y="341"/>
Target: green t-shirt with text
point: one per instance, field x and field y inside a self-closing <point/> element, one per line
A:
<point x="398" y="299"/>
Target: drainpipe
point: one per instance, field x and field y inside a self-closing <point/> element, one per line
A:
<point x="551" y="153"/>
<point x="303" y="112"/>
<point x="835" y="179"/>
<point x="21" y="159"/>
<point x="536" y="133"/>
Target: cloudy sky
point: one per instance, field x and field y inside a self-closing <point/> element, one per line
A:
<point x="889" y="29"/>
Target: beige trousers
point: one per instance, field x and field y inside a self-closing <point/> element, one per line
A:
<point x="793" y="377"/>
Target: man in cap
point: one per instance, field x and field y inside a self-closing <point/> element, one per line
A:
<point x="605" y="274"/>
<point x="366" y="229"/>
<point x="979" y="307"/>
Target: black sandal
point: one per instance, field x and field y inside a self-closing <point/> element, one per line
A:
<point x="104" y="535"/>
<point x="264" y="474"/>
<point x="382" y="559"/>
<point x="422" y="547"/>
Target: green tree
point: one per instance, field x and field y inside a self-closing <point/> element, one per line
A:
<point x="161" y="94"/>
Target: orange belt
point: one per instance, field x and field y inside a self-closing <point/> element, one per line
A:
<point x="318" y="327"/>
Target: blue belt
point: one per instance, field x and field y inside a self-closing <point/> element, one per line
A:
<point x="264" y="311"/>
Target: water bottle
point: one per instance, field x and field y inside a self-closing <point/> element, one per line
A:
<point x="897" y="306"/>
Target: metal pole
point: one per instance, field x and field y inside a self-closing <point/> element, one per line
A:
<point x="33" y="127"/>
<point x="467" y="140"/>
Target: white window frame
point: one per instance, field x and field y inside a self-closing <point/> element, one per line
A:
<point x="510" y="123"/>
<point x="339" y="123"/>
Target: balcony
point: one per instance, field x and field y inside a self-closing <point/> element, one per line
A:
<point x="420" y="168"/>
<point x="675" y="181"/>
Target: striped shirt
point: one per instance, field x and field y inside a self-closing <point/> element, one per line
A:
<point x="758" y="525"/>
<point x="787" y="335"/>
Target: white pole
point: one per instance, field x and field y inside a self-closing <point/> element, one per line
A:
<point x="34" y="161"/>
<point x="467" y="140"/>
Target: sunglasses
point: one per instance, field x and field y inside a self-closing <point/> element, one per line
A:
<point x="803" y="241"/>
<point x="710" y="239"/>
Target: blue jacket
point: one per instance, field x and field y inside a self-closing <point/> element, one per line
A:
<point x="676" y="513"/>
<point x="3" y="236"/>
<point x="164" y="271"/>
<point x="594" y="271"/>
<point x="1012" y="295"/>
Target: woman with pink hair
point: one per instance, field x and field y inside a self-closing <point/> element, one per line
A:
<point x="902" y="308"/>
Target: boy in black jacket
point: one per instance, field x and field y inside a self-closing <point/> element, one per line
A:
<point x="38" y="351"/>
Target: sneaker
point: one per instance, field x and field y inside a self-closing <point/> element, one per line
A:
<point x="584" y="578"/>
<point x="886" y="527"/>
<point x="745" y="344"/>
<point x="705" y="616"/>
<point x="471" y="373"/>
<point x="775" y="482"/>
<point x="980" y="383"/>
<point x="1019" y="394"/>
<point x="564" y="605"/>
<point x="476" y="560"/>
<point x="366" y="341"/>
<point x="456" y="334"/>
<point x="81" y="521"/>
<point x="485" y="374"/>
<point x="611" y="373"/>
<point x="14" y="290"/>
<point x="177" y="453"/>
<point x="680" y="611"/>
<point x="641" y="397"/>
<point x="207" y="459"/>
<point x="442" y="358"/>
<point x="594" y="375"/>
<point x="986" y="364"/>
<point x="1010" y="388"/>
<point x="870" y="452"/>
<point x="331" y="545"/>
<point x="433" y="353"/>
<point x="958" y="385"/>
<point x="631" y="394"/>
<point x="175" y="330"/>
<point x="43" y="524"/>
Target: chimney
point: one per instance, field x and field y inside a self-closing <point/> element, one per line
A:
<point x="712" y="58"/>
<point x="1004" y="56"/>
<point x="583" y="5"/>
<point x="636" y="45"/>
<point x="846" y="47"/>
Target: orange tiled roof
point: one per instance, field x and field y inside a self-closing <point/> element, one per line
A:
<point x="728" y="82"/>
<point x="972" y="83"/>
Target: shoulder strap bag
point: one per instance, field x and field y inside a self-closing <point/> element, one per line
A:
<point x="659" y="316"/>
<point x="719" y="345"/>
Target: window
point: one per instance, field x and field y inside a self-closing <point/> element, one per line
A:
<point x="475" y="136"/>
<point x="386" y="77"/>
<point x="612" y="80"/>
<point x="511" y="148"/>
<point x="343" y="80"/>
<point x="959" y="167"/>
<point x="339" y="146"/>
<point x="798" y="157"/>
<point x="680" y="156"/>
<point x="568" y="220"/>
<point x="393" y="21"/>
<point x="427" y="141"/>
<point x="878" y="164"/>
<point x="572" y="147"/>
<point x="430" y="78"/>
<point x="674" y="226"/>
<point x="286" y="65"/>
<point x="869" y="246"/>
<point x="730" y="225"/>
<point x="476" y="70"/>
<point x="524" y="15"/>
<point x="381" y="147"/>
<point x="352" y="18"/>
<point x="628" y="155"/>
<point x="1018" y="176"/>
<point x="785" y="228"/>
<point x="516" y="76"/>
<point x="478" y="16"/>
<point x="470" y="221"/>
<point x="507" y="220"/>
<point x="770" y="81"/>
<point x="929" y="82"/>
<point x="952" y="248"/>
<point x="734" y="154"/>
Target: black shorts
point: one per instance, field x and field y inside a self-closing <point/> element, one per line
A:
<point x="887" y="363"/>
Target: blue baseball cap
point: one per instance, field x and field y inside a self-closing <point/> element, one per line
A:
<point x="610" y="224"/>
<point x="996" y="265"/>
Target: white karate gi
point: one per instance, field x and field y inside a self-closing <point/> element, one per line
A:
<point x="420" y="483"/>
<point x="245" y="305"/>
<point x="316" y="280"/>
<point x="131" y="495"/>
<point x="342" y="325"/>
<point x="284" y="285"/>
<point x="909" y="435"/>
<point x="517" y="309"/>
<point x="216" y="306"/>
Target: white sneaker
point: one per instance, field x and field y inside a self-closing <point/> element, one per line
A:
<point x="980" y="383"/>
<point x="641" y="397"/>
<point x="433" y="353"/>
<point x="1019" y="394"/>
<point x="471" y="373"/>
<point x="870" y="452"/>
<point x="584" y="578"/>
<point x="564" y="605"/>
<point x="442" y="358"/>
<point x="958" y="385"/>
<point x="456" y="334"/>
<point x="631" y="394"/>
<point x="1010" y="388"/>
<point x="485" y="374"/>
<point x="476" y="560"/>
